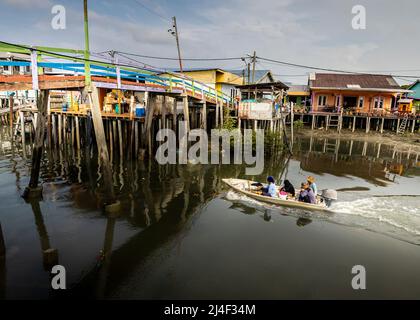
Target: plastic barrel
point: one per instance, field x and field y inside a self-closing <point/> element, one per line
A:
<point x="140" y="112"/>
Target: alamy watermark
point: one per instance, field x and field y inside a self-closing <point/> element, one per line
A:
<point x="58" y="281"/>
<point x="198" y="153"/>
<point x="359" y="20"/>
<point x="58" y="21"/>
<point x="359" y="280"/>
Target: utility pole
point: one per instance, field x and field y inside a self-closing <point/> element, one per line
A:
<point x="87" y="50"/>
<point x="249" y="73"/>
<point x="254" y="59"/>
<point x="175" y="33"/>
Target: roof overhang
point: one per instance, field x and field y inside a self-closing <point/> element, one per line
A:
<point x="363" y="89"/>
<point x="263" y="86"/>
<point x="298" y="93"/>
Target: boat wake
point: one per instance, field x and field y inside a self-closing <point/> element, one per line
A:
<point x="394" y="216"/>
<point x="397" y="216"/>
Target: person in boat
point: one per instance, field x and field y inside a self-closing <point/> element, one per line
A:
<point x="306" y="194"/>
<point x="312" y="185"/>
<point x="288" y="188"/>
<point x="270" y="190"/>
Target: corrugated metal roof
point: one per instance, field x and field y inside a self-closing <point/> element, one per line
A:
<point x="353" y="81"/>
<point x="259" y="74"/>
<point x="298" y="88"/>
<point x="15" y="56"/>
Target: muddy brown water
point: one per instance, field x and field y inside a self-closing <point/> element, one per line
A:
<point x="183" y="234"/>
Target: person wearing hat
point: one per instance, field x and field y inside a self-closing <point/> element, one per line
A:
<point x="312" y="185"/>
<point x="306" y="194"/>
<point x="270" y="190"/>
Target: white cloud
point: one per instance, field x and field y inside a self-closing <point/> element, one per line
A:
<point x="25" y="4"/>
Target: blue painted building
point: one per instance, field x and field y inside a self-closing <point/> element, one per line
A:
<point x="416" y="88"/>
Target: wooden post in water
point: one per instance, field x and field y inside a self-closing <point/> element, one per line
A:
<point x="217" y="109"/>
<point x="147" y="134"/>
<point x="22" y="127"/>
<point x="76" y="119"/>
<point x="204" y="115"/>
<point x="186" y="113"/>
<point x="367" y="124"/>
<point x="98" y="126"/>
<point x="221" y="113"/>
<point x="120" y="140"/>
<point x="2" y="245"/>
<point x="33" y="190"/>
<point x="11" y="102"/>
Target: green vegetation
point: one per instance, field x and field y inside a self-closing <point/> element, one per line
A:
<point x="298" y="124"/>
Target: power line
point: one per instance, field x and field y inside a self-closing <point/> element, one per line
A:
<point x="327" y="69"/>
<point x="152" y="11"/>
<point x="176" y="59"/>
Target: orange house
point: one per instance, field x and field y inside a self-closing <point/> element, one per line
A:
<point x="354" y="93"/>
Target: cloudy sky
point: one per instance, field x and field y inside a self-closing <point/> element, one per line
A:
<point x="308" y="32"/>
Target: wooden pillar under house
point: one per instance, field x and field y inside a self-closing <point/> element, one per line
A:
<point x="111" y="203"/>
<point x="33" y="190"/>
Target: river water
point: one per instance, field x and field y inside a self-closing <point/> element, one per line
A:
<point x="183" y="234"/>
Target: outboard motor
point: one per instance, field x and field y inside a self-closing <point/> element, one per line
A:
<point x="329" y="195"/>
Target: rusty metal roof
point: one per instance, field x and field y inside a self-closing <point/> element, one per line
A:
<point x="353" y="81"/>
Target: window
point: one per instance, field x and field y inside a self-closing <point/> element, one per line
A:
<point x="337" y="101"/>
<point x="322" y="101"/>
<point x="378" y="103"/>
<point x="361" y="102"/>
<point x="6" y="68"/>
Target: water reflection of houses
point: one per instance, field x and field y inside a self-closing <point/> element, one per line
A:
<point x="161" y="207"/>
<point x="374" y="162"/>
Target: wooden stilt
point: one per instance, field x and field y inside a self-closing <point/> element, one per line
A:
<point x="11" y="104"/>
<point x="204" y="115"/>
<point x="53" y="130"/>
<point x="221" y="114"/>
<point x="33" y="190"/>
<point x="186" y="113"/>
<point x="367" y="124"/>
<point x="64" y="129"/>
<point x="76" y="120"/>
<point x="60" y="130"/>
<point x="72" y="131"/>
<point x="2" y="245"/>
<point x="120" y="140"/>
<point x="111" y="141"/>
<point x="22" y="127"/>
<point x="136" y="138"/>
<point x="382" y="125"/>
<point x="102" y="149"/>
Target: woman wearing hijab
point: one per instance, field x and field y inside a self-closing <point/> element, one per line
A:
<point x="270" y="190"/>
<point x="288" y="188"/>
